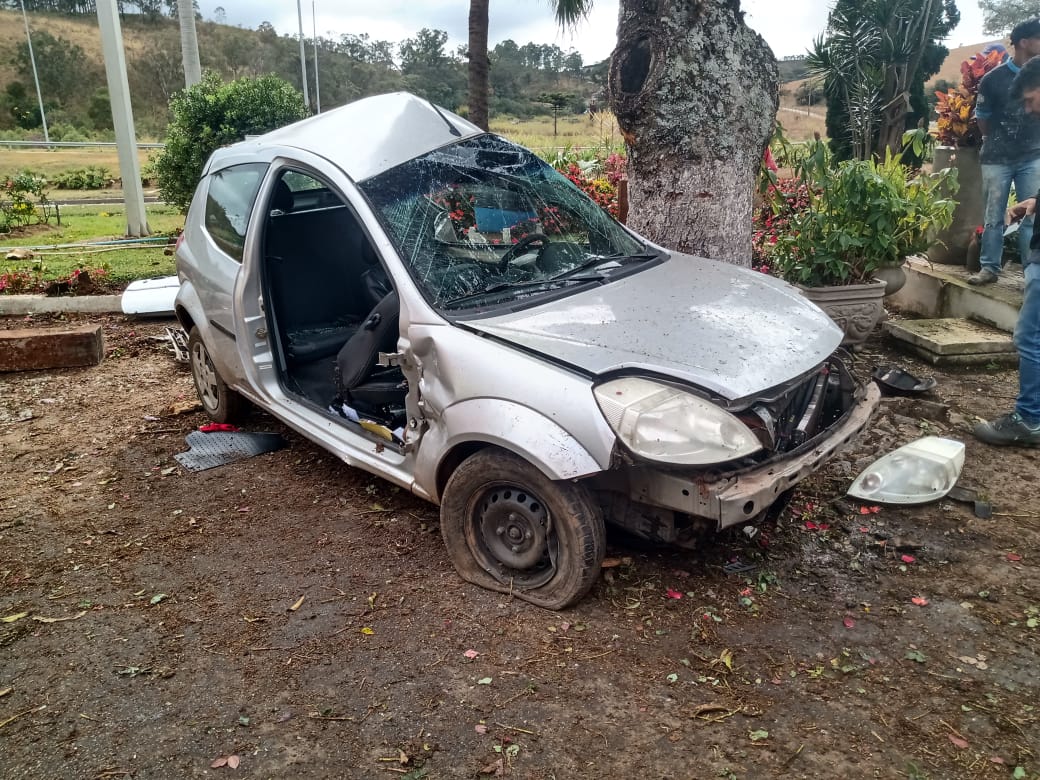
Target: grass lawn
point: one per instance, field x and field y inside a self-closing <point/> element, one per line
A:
<point x="83" y="224"/>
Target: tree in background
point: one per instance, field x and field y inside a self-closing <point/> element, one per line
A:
<point x="567" y="12"/>
<point x="428" y="70"/>
<point x="999" y="16"/>
<point x="212" y="114"/>
<point x="57" y="59"/>
<point x="695" y="92"/>
<point x="875" y="57"/>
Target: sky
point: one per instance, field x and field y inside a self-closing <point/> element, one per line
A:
<point x="788" y="27"/>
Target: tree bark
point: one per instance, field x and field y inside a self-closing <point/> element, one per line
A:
<point x="695" y="92"/>
<point x="478" y="63"/>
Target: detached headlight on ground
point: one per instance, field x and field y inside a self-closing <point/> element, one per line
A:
<point x="921" y="471"/>
<point x="661" y="423"/>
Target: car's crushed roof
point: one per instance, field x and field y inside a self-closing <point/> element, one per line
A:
<point x="371" y="135"/>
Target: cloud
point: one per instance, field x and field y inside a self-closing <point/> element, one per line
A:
<point x="789" y="28"/>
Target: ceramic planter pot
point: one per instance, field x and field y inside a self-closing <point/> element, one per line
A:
<point x="855" y="308"/>
<point x="893" y="276"/>
<point x="951" y="245"/>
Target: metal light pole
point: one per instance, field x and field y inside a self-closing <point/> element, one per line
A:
<point x="303" y="57"/>
<point x="122" y="116"/>
<point x="36" y="76"/>
<point x="317" y="85"/>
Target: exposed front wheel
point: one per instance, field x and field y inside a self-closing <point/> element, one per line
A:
<point x="509" y="528"/>
<point x="221" y="403"/>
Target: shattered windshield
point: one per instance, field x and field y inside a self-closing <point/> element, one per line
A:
<point x="484" y="222"/>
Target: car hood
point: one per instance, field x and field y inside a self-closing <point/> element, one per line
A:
<point x="726" y="329"/>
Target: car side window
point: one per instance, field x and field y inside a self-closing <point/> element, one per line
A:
<point x="229" y="202"/>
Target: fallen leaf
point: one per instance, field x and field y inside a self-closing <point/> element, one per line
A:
<point x="726" y="656"/>
<point x="12" y="618"/>
<point x="673" y="594"/>
<point x="610" y="563"/>
<point x="367" y="631"/>
<point x="480" y="728"/>
<point x="758" y="734"/>
<point x="298" y="604"/>
<point x="849" y="622"/>
<point x="919" y="601"/>
<point x="495" y="768"/>
<point x="471" y="654"/>
<point x="232" y="761"/>
<point x="907" y="559"/>
<point x="59" y="620"/>
<point x="672" y="678"/>
<point x="219" y="762"/>
<point x="961" y="743"/>
<point x="811" y="525"/>
<point x="484" y="681"/>
<point x="869" y="510"/>
<point x="1014" y="557"/>
<point x="916" y="655"/>
<point x="157" y="598"/>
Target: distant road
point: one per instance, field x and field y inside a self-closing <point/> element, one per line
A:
<point x="802" y="112"/>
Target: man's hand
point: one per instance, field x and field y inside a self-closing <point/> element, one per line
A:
<point x="1020" y="210"/>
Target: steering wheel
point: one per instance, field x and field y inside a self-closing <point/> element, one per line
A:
<point x="516" y="249"/>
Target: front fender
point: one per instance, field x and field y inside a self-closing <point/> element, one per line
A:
<point x="519" y="429"/>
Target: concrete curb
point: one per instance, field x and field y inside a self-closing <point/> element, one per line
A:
<point x="20" y="305"/>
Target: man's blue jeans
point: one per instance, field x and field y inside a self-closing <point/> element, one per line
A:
<point x="996" y="186"/>
<point x="1027" y="340"/>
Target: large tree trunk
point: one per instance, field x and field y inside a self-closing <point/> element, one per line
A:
<point x="695" y="93"/>
<point x="478" y="62"/>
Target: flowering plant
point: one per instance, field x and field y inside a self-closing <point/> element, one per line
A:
<point x="956" y="125"/>
<point x="838" y="224"/>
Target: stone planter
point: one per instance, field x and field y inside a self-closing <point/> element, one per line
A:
<point x="855" y="308"/>
<point x="952" y="244"/>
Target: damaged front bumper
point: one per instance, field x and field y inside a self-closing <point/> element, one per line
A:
<point x="730" y="498"/>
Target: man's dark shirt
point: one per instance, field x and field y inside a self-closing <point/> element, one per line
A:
<point x="1014" y="134"/>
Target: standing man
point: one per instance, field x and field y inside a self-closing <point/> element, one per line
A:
<point x="1022" y="426"/>
<point x="1010" y="150"/>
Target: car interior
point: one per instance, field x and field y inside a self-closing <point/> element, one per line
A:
<point x="331" y="308"/>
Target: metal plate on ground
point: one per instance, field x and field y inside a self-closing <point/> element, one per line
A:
<point x="209" y="450"/>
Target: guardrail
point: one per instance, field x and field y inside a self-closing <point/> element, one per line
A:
<point x="76" y="144"/>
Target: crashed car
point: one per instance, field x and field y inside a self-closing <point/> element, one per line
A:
<point x="440" y="307"/>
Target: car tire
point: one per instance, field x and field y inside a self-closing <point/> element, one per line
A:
<point x="511" y="529"/>
<point x="220" y="402"/>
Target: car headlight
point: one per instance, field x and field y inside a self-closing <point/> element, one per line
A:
<point x="921" y="471"/>
<point x="662" y="423"/>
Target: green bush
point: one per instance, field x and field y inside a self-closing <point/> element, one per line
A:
<point x="212" y="114"/>
<point x="23" y="200"/>
<point x="91" y="178"/>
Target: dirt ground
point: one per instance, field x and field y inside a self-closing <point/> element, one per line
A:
<point x="288" y="616"/>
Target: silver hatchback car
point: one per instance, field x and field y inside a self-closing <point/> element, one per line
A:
<point x="438" y="306"/>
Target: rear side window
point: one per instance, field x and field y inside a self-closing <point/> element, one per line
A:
<point x="229" y="202"/>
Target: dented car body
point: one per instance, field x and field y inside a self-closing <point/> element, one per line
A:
<point x="437" y="306"/>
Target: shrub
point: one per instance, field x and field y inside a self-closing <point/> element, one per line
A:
<point x="211" y="114"/>
<point x="23" y="200"/>
<point x="90" y="178"/>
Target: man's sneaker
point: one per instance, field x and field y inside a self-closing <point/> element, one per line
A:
<point x="1010" y="429"/>
<point x="985" y="276"/>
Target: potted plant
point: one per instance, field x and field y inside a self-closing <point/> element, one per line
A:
<point x="844" y="224"/>
<point x="959" y="139"/>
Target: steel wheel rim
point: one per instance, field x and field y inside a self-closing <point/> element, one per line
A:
<point x="512" y="537"/>
<point x="205" y="376"/>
